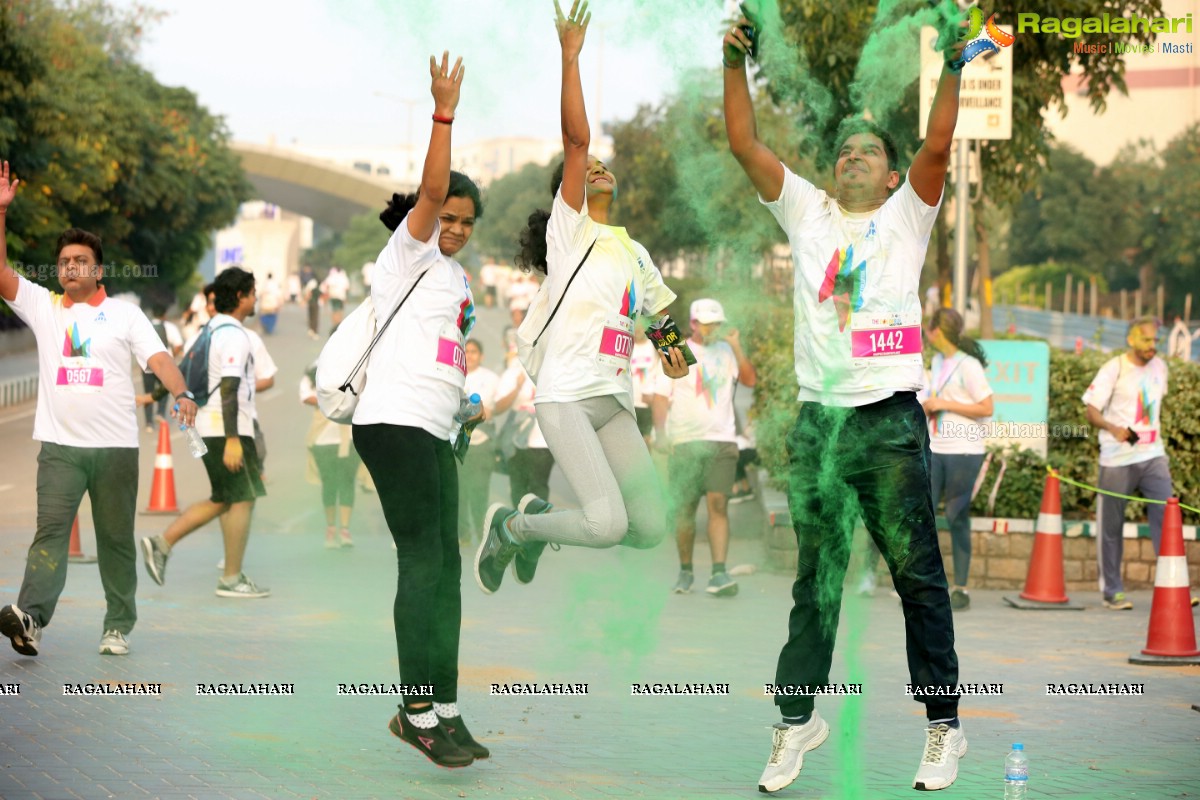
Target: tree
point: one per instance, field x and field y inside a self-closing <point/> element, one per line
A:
<point x="101" y="145"/>
<point x="1060" y="219"/>
<point x="1172" y="218"/>
<point x="361" y="242"/>
<point x="507" y="205"/>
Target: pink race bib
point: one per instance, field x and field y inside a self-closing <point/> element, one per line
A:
<point x="80" y="376"/>
<point x="877" y="342"/>
<point x="450" y="353"/>
<point x="616" y="343"/>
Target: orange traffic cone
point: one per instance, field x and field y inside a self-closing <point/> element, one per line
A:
<point x="75" y="554"/>
<point x="1044" y="583"/>
<point x="1172" y="635"/>
<point x="162" y="491"/>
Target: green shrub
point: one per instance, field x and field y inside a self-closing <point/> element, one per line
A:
<point x="1020" y="493"/>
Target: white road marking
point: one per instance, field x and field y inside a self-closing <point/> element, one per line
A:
<point x="17" y="416"/>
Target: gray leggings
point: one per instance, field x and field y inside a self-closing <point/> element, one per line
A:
<point x="597" y="446"/>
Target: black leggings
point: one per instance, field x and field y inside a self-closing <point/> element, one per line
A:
<point x="417" y="483"/>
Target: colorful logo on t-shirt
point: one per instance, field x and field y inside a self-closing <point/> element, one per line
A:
<point x="1145" y="407"/>
<point x="466" y="312"/>
<point x="73" y="346"/>
<point x="844" y="282"/>
<point x="629" y="301"/>
<point x="707" y="385"/>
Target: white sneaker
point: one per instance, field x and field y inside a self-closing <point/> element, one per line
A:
<point x="789" y="743"/>
<point x="944" y="746"/>
<point x="114" y="643"/>
<point x="241" y="587"/>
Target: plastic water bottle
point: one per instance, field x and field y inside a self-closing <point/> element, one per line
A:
<point x="470" y="407"/>
<point x="195" y="442"/>
<point x="1016" y="773"/>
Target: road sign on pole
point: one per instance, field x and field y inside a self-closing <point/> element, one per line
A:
<point x="984" y="94"/>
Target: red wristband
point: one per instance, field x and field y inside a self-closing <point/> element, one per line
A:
<point x="443" y="120"/>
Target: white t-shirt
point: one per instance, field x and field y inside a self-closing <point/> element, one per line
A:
<point x="645" y="368"/>
<point x="174" y="337"/>
<point x="85" y="390"/>
<point x="960" y="379"/>
<point x="857" y="308"/>
<point x="482" y="382"/>
<point x="1131" y="397"/>
<point x="230" y="355"/>
<point x="331" y="432"/>
<point x="336" y="285"/>
<point x="589" y="341"/>
<point x="417" y="371"/>
<point x="702" y="402"/>
<point x="524" y="401"/>
<point x="271" y="298"/>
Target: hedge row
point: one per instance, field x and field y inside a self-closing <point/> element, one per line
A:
<point x="1020" y="492"/>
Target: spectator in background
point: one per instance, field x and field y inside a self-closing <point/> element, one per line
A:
<point x="488" y="278"/>
<point x="747" y="457"/>
<point x="336" y="287"/>
<point x="475" y="473"/>
<point x="269" y="303"/>
<point x="525" y="450"/>
<point x="293" y="287"/>
<point x="227" y="424"/>
<point x="172" y="339"/>
<point x="1124" y="401"/>
<point x="645" y="370"/>
<point x="332" y="449"/>
<point x="87" y="425"/>
<point x="694" y="420"/>
<point x="195" y="317"/>
<point x="312" y="296"/>
<point x="957" y="402"/>
<point x="367" y="269"/>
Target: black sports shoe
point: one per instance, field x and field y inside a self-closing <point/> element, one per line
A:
<point x="525" y="564"/>
<point x="21" y="629"/>
<point x="495" y="551"/>
<point x="462" y="737"/>
<point x="434" y="743"/>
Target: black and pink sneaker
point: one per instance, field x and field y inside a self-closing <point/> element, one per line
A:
<point x="462" y="737"/>
<point x="434" y="743"/>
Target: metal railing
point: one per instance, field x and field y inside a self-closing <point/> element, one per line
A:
<point x="15" y="391"/>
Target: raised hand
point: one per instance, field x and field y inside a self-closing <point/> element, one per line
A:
<point x="572" y="29"/>
<point x="8" y="190"/>
<point x="447" y="83"/>
<point x="736" y="45"/>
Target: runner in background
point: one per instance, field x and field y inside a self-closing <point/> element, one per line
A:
<point x="475" y="473"/>
<point x="336" y="463"/>
<point x="958" y="403"/>
<point x="645" y="369"/>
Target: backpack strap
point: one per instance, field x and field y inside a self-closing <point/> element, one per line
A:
<point x="564" y="292"/>
<point x="366" y="355"/>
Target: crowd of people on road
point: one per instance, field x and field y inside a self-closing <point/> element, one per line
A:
<point x="640" y="431"/>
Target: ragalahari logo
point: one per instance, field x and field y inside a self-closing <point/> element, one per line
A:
<point x="982" y="38"/>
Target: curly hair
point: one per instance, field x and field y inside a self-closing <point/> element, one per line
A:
<point x="400" y="204"/>
<point x="532" y="239"/>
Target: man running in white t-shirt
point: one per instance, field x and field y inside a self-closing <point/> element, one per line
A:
<point x="86" y="422"/>
<point x="860" y="444"/>
<point x="1124" y="401"/>
<point x="694" y="420"/>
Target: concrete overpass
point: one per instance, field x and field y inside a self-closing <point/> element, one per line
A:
<point x="329" y="193"/>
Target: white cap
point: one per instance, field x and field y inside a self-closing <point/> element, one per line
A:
<point x="706" y="311"/>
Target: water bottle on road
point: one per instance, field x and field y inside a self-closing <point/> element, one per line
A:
<point x="195" y="442"/>
<point x="1016" y="773"/>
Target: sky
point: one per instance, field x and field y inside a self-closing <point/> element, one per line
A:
<point x="334" y="73"/>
